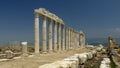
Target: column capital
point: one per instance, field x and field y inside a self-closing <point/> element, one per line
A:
<point x="36" y="15"/>
<point x="58" y="23"/>
<point x="49" y="20"/>
<point x="63" y="26"/>
<point x="44" y="17"/>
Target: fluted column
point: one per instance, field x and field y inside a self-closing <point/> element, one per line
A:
<point x="59" y="36"/>
<point x="36" y="37"/>
<point x="63" y="37"/>
<point x="50" y="35"/>
<point x="44" y="46"/>
<point x="55" y="36"/>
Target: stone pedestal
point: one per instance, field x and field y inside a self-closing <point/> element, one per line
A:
<point x="24" y="48"/>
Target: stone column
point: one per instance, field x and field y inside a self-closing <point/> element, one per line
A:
<point x="50" y="35"/>
<point x="66" y="38"/>
<point x="82" y="39"/>
<point x="24" y="48"/>
<point x="77" y="39"/>
<point x="63" y="37"/>
<point x="44" y="46"/>
<point x="36" y="40"/>
<point x="70" y="38"/>
<point x="55" y="36"/>
<point x="74" y="39"/>
<point x="59" y="36"/>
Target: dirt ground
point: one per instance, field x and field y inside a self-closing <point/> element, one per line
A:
<point x="36" y="61"/>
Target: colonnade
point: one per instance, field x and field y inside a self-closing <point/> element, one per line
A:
<point x="60" y="37"/>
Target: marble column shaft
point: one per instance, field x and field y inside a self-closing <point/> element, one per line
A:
<point x="63" y="37"/>
<point x="66" y="38"/>
<point x="50" y="35"/>
<point x="70" y="38"/>
<point x="59" y="36"/>
<point x="44" y="45"/>
<point x="36" y="37"/>
<point x="74" y="40"/>
<point x="82" y="40"/>
<point x="55" y="36"/>
<point x="77" y="39"/>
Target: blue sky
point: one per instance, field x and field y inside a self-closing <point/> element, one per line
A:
<point x="97" y="18"/>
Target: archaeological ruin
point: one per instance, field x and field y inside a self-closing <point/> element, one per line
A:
<point x="65" y="38"/>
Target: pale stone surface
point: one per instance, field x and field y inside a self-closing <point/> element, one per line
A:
<point x="82" y="39"/>
<point x="17" y="57"/>
<point x="9" y="54"/>
<point x="50" y="35"/>
<point x="44" y="43"/>
<point x="72" y="40"/>
<point x="63" y="37"/>
<point x="78" y="39"/>
<point x="59" y="36"/>
<point x="24" y="47"/>
<point x="55" y="36"/>
<point x="36" y="41"/>
<point x="75" y="37"/>
<point x="105" y="63"/>
<point x="48" y="14"/>
<point x="73" y="61"/>
<point x="2" y="60"/>
<point x="66" y="38"/>
<point x="69" y="38"/>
